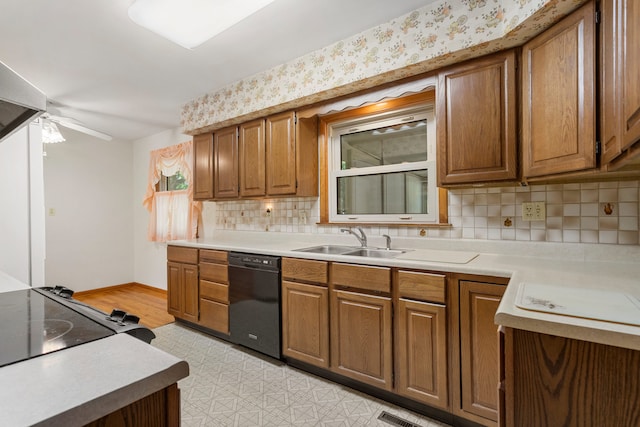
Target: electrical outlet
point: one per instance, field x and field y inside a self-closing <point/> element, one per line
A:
<point x="533" y="211"/>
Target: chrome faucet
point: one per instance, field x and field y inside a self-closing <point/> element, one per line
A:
<point x="362" y="238"/>
<point x="388" y="239"/>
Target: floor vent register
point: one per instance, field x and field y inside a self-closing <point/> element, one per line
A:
<point x="395" y="421"/>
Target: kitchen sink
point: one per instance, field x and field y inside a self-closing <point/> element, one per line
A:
<point x="375" y="252"/>
<point x="350" y="250"/>
<point x="327" y="249"/>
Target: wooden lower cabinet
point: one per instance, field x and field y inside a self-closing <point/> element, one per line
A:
<point x="421" y="352"/>
<point x="159" y="409"/>
<point x="361" y="346"/>
<point x="556" y="381"/>
<point x="182" y="283"/>
<point x="305" y="323"/>
<point x="214" y="291"/>
<point x="475" y="350"/>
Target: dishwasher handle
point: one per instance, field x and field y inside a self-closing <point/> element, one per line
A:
<point x="254" y="261"/>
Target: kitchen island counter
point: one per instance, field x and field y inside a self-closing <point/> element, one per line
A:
<point x="78" y="385"/>
<point x="611" y="268"/>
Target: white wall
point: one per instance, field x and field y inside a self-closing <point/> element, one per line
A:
<point x="150" y="258"/>
<point x="21" y="206"/>
<point x="89" y="223"/>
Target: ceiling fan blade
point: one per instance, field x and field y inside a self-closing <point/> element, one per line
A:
<point x="80" y="128"/>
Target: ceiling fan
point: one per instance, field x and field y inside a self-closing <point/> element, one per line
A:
<point x="51" y="119"/>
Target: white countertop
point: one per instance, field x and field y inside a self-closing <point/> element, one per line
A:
<point x="613" y="268"/>
<point x="80" y="384"/>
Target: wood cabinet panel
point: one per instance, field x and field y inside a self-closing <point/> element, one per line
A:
<point x="305" y="270"/>
<point x="281" y="154"/>
<point x="476" y="121"/>
<point x="421" y="286"/>
<point x="568" y="382"/>
<point x="173" y="288"/>
<point x="361" y="346"/>
<point x="182" y="254"/>
<point x="421" y="351"/>
<point x="558" y="100"/>
<point x="214" y="291"/>
<point x="214" y="272"/>
<point x="225" y="149"/>
<point x="377" y="279"/>
<point x="203" y="166"/>
<point x="307" y="156"/>
<point x="190" y="293"/>
<point x="479" y="351"/>
<point x="212" y="255"/>
<point x="214" y="315"/>
<point x="630" y="70"/>
<point x="252" y="159"/>
<point x="305" y="323"/>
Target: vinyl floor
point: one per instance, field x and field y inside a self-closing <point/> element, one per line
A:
<point x="232" y="386"/>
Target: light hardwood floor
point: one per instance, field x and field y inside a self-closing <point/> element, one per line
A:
<point x="146" y="302"/>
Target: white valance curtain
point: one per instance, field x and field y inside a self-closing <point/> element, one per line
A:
<point x="173" y="214"/>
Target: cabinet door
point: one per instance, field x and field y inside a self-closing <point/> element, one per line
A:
<point x="225" y="146"/>
<point x="609" y="81"/>
<point x="479" y="350"/>
<point x="174" y="285"/>
<point x="361" y="345"/>
<point x="252" y="159"/>
<point x="305" y="323"/>
<point x="203" y="166"/>
<point x="189" y="292"/>
<point x="558" y="99"/>
<point x="630" y="70"/>
<point x="421" y="350"/>
<point x="476" y="121"/>
<point x="281" y="154"/>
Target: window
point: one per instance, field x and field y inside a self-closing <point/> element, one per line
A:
<point x="172" y="212"/>
<point x="382" y="167"/>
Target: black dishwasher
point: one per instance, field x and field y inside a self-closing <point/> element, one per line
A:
<point x="254" y="302"/>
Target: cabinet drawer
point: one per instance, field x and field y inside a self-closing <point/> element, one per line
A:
<point x="304" y="270"/>
<point x="376" y="279"/>
<point x="421" y="286"/>
<point x="214" y="272"/>
<point x="184" y="255"/>
<point x="214" y="291"/>
<point x="210" y="255"/>
<point x="214" y="315"/>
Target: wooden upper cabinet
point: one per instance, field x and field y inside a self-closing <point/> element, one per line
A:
<point x="476" y="121"/>
<point x="252" y="159"/>
<point x="630" y="70"/>
<point x="203" y="166"/>
<point x="610" y="139"/>
<point x="281" y="154"/>
<point x="291" y="155"/>
<point x="225" y="147"/>
<point x="558" y="97"/>
<point x="620" y="84"/>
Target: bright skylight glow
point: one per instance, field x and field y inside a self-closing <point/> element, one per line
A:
<point x="190" y="23"/>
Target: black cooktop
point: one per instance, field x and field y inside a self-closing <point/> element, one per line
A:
<point x="34" y="324"/>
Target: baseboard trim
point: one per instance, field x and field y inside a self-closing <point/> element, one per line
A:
<point x="147" y="288"/>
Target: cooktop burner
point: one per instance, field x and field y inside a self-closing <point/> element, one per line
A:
<point x="34" y="324"/>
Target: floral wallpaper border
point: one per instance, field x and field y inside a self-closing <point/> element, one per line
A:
<point x="439" y="34"/>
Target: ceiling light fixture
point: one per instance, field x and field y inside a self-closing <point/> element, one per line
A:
<point x="50" y="133"/>
<point x="190" y="23"/>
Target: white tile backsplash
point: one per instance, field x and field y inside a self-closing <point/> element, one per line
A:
<point x="576" y="213"/>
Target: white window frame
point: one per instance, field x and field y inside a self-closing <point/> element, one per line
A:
<point x="336" y="130"/>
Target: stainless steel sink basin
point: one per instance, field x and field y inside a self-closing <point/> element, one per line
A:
<point x="353" y="251"/>
<point x="327" y="249"/>
<point x="375" y="252"/>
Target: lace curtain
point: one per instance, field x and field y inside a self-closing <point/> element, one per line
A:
<point x="173" y="214"/>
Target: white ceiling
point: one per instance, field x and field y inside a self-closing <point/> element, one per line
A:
<point x="101" y="69"/>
